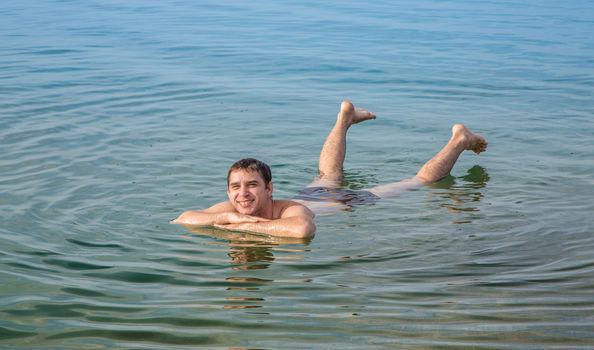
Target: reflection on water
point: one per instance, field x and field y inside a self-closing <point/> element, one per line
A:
<point x="117" y="115"/>
<point x="242" y="255"/>
<point x="245" y="302"/>
<point x="461" y="195"/>
<point x="250" y="252"/>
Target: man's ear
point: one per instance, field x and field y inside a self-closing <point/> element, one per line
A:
<point x="270" y="188"/>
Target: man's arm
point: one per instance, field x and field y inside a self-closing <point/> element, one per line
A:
<point x="221" y="213"/>
<point x="295" y="221"/>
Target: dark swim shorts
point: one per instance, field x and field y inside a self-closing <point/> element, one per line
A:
<point x="342" y="195"/>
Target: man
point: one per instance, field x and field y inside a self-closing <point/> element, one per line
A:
<point x="249" y="185"/>
<point x="251" y="207"/>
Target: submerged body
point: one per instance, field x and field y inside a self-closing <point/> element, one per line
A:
<point x="339" y="195"/>
<point x="251" y="207"/>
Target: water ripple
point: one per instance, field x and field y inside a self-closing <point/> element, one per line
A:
<point x="125" y="114"/>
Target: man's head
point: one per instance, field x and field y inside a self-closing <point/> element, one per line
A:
<point x="249" y="187"/>
<point x="251" y="164"/>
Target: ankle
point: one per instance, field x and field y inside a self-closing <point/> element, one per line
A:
<point x="342" y="122"/>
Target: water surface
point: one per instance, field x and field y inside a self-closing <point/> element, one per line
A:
<point x="115" y="117"/>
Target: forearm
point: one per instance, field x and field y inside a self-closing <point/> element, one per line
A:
<point x="298" y="227"/>
<point x="196" y="218"/>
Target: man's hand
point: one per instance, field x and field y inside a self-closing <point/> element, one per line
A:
<point x="235" y="218"/>
<point x="295" y="220"/>
<point x="222" y="213"/>
<point x="244" y="226"/>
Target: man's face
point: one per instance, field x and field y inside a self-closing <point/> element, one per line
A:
<point x="248" y="193"/>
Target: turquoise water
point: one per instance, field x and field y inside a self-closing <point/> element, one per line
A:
<point x="117" y="116"/>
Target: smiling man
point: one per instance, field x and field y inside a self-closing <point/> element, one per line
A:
<point x="251" y="207"/>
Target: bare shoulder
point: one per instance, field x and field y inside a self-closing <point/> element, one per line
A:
<point x="287" y="208"/>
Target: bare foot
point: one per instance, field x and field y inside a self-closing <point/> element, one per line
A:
<point x="469" y="140"/>
<point x="351" y="115"/>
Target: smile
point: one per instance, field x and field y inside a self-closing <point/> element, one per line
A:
<point x="245" y="203"/>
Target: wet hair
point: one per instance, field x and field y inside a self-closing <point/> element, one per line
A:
<point x="251" y="164"/>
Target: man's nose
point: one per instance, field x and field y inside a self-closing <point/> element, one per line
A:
<point x="243" y="190"/>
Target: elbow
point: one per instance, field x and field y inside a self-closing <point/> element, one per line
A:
<point x="306" y="229"/>
<point x="184" y="218"/>
<point x="179" y="219"/>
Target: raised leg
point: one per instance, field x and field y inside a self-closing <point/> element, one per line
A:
<point x="330" y="166"/>
<point x="440" y="165"/>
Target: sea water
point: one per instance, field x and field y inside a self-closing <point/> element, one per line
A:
<point x="117" y="116"/>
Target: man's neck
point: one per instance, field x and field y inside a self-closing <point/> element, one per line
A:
<point x="268" y="210"/>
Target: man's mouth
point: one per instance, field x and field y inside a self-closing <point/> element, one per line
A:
<point x="245" y="204"/>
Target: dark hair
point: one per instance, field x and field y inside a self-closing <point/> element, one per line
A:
<point x="252" y="164"/>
